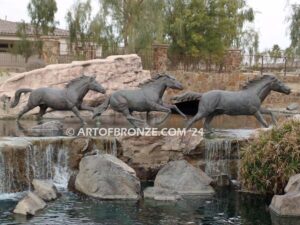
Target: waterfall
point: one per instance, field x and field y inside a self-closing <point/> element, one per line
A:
<point x="19" y="167"/>
<point x="220" y="156"/>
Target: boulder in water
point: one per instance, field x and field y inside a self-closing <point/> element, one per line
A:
<point x="289" y="203"/>
<point x="182" y="177"/>
<point x="51" y="128"/>
<point x="29" y="205"/>
<point x="107" y="177"/>
<point x="45" y="189"/>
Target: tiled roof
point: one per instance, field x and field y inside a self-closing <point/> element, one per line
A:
<point x="10" y="28"/>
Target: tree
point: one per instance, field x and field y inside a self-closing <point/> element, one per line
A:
<point x="275" y="53"/>
<point x="24" y="46"/>
<point x="42" y="14"/>
<point x="295" y="28"/>
<point x="205" y="28"/>
<point x="79" y="23"/>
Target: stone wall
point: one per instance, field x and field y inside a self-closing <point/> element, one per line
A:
<point x="203" y="82"/>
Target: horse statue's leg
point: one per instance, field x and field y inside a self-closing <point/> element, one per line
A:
<point x="88" y="108"/>
<point x="197" y="117"/>
<point x="134" y="121"/>
<point x="43" y="109"/>
<point x="174" y="107"/>
<point x="269" y="112"/>
<point x="207" y="121"/>
<point x="76" y="112"/>
<point x="260" y="119"/>
<point x="24" y="110"/>
<point x="160" y="108"/>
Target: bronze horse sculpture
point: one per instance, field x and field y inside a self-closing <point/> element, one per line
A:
<point x="145" y="99"/>
<point x="243" y="102"/>
<point x="69" y="98"/>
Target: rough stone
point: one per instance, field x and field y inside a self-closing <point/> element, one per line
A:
<point x="113" y="73"/>
<point x="29" y="205"/>
<point x="287" y="204"/>
<point x="293" y="184"/>
<point x="182" y="177"/>
<point x="51" y="128"/>
<point x="45" y="189"/>
<point x="293" y="106"/>
<point x="107" y="177"/>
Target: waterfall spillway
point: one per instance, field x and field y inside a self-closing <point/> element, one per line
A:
<point x="17" y="172"/>
<point x="222" y="157"/>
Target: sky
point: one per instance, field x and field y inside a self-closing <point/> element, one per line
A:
<point x="270" y="18"/>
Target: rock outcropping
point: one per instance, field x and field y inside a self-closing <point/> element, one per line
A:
<point x="45" y="189"/>
<point x="107" y="177"/>
<point x="179" y="178"/>
<point x="113" y="73"/>
<point x="289" y="203"/>
<point x="29" y="205"/>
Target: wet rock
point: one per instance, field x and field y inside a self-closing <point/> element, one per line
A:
<point x="161" y="194"/>
<point x="45" y="189"/>
<point x="29" y="205"/>
<point x="293" y="106"/>
<point x="51" y="128"/>
<point x="107" y="177"/>
<point x="182" y="177"/>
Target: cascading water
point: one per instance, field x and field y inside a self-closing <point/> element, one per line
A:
<point x="220" y="155"/>
<point x="49" y="162"/>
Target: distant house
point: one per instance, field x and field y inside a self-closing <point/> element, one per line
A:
<point x="55" y="45"/>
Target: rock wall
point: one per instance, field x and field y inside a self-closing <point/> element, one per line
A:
<point x="113" y="73"/>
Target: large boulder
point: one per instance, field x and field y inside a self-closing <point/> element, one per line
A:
<point x="113" y="73"/>
<point x="107" y="177"/>
<point x="45" y="189"/>
<point x="29" y="205"/>
<point x="289" y="203"/>
<point x="148" y="154"/>
<point x="182" y="177"/>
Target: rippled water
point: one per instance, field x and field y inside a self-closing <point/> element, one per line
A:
<point x="226" y="207"/>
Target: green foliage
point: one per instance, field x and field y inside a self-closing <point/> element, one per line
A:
<point x="24" y="46"/>
<point x="202" y="28"/>
<point x="271" y="158"/>
<point x="295" y="28"/>
<point x="42" y="14"/>
<point x="275" y="53"/>
<point x="79" y="21"/>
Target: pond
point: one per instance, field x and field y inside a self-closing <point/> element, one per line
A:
<point x="226" y="207"/>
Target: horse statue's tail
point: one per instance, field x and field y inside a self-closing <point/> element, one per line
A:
<point x="18" y="95"/>
<point x="187" y="96"/>
<point x="100" y="109"/>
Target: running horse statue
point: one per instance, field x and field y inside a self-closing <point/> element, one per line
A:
<point x="69" y="98"/>
<point x="145" y="99"/>
<point x="244" y="102"/>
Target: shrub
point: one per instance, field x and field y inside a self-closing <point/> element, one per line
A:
<point x="271" y="158"/>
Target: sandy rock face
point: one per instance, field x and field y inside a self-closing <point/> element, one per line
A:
<point x="107" y="177"/>
<point x="29" y="205"/>
<point x="113" y="73"/>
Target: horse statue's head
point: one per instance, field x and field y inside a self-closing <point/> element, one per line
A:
<point x="88" y="81"/>
<point x="166" y="79"/>
<point x="277" y="85"/>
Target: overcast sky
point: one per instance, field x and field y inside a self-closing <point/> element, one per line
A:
<point x="270" y="19"/>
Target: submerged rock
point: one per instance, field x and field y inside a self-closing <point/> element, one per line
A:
<point x="293" y="106"/>
<point x="107" y="177"/>
<point x="162" y="194"/>
<point x="29" y="205"/>
<point x="182" y="177"/>
<point x="51" y="128"/>
<point x="45" y="189"/>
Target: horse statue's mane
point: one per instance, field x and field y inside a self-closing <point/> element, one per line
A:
<point x="154" y="78"/>
<point x="257" y="80"/>
<point x="76" y="80"/>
